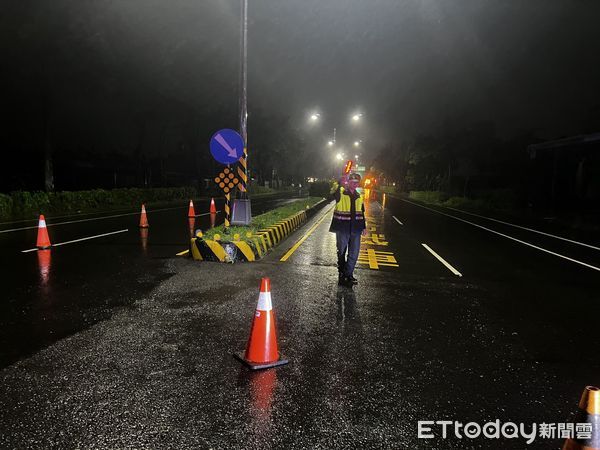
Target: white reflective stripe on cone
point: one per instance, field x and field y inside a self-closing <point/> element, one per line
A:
<point x="42" y="224"/>
<point x="264" y="302"/>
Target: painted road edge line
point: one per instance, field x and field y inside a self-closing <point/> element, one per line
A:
<point x="79" y="240"/>
<point x="442" y="260"/>
<point x="550" y="252"/>
<point x="397" y="220"/>
<point x="291" y="251"/>
<point x="533" y="230"/>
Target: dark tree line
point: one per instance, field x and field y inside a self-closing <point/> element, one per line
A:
<point x="458" y="161"/>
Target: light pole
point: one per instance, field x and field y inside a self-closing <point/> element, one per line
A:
<point x="242" y="211"/>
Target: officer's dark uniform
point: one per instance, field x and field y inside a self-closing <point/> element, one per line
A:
<point x="348" y="223"/>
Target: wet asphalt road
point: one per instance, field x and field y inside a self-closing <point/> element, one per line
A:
<point x="49" y="295"/>
<point x="513" y="339"/>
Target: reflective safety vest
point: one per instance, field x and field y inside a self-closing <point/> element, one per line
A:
<point x="346" y="216"/>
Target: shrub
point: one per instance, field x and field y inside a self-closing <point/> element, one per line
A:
<point x="6" y="205"/>
<point x="23" y="203"/>
<point x="436" y="197"/>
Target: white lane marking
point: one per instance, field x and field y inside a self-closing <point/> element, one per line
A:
<point x="442" y="260"/>
<point x="93" y="218"/>
<point x="396" y="219"/>
<point x="508" y="237"/>
<point x="525" y="228"/>
<point x="78" y="240"/>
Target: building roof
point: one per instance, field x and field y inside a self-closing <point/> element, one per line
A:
<point x="571" y="141"/>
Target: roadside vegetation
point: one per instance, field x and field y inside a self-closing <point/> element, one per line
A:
<point x="494" y="200"/>
<point x="263" y="220"/>
<point x="25" y="204"/>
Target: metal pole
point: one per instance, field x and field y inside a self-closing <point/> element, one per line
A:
<point x="243" y="107"/>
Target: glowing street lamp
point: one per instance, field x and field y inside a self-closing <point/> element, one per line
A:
<point x="314" y="117"/>
<point x="339" y="156"/>
<point x="356" y="117"/>
<point x="330" y="143"/>
<point x="356" y="143"/>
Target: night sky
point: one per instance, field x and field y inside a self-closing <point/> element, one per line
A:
<point x="96" y="72"/>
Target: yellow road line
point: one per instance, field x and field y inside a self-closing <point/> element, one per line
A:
<point x="308" y="233"/>
<point x="185" y="252"/>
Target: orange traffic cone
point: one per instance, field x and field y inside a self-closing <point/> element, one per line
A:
<point x="589" y="413"/>
<point x="213" y="208"/>
<point x="43" y="240"/>
<point x="191" y="212"/>
<point x="143" y="218"/>
<point x="261" y="351"/>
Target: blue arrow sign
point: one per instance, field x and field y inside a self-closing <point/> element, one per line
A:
<point x="227" y="146"/>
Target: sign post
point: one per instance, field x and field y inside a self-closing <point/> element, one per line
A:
<point x="227" y="147"/>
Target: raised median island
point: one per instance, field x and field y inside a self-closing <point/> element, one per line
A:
<point x="249" y="243"/>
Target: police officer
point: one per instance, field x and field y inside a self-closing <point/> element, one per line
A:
<point x="348" y="224"/>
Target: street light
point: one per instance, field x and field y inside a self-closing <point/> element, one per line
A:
<point x="356" y="117"/>
<point x="356" y="157"/>
<point x="356" y="143"/>
<point x="314" y="117"/>
<point x="330" y="143"/>
<point x="339" y="156"/>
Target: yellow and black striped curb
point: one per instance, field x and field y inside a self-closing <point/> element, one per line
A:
<point x="255" y="246"/>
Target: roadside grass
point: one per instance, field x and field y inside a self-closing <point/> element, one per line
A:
<point x="262" y="221"/>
